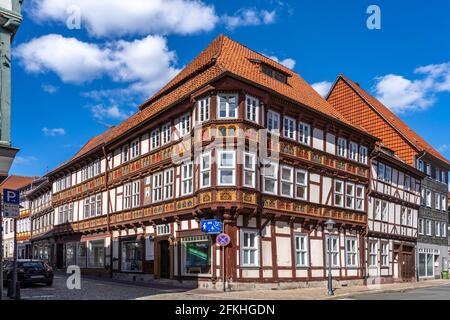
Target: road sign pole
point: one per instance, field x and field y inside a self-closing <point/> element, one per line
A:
<point x="223" y="269"/>
<point x="14" y="275"/>
<point x="1" y="250"/>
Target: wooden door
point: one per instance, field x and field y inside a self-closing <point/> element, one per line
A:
<point x="164" y="259"/>
<point x="408" y="265"/>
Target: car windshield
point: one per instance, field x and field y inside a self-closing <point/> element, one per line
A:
<point x="32" y="264"/>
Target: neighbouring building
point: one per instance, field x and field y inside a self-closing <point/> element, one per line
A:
<point x="362" y="109"/>
<point x="234" y="136"/>
<point x="23" y="225"/>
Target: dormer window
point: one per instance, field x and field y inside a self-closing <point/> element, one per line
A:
<point x="275" y="74"/>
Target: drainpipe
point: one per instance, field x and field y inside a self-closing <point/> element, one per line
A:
<point x="108" y="197"/>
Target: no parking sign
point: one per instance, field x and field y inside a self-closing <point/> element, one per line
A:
<point x="223" y="240"/>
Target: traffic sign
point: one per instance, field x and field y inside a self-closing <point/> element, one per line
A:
<point x="223" y="240"/>
<point x="213" y="226"/>
<point x="11" y="203"/>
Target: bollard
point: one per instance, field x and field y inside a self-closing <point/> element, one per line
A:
<point x="17" y="297"/>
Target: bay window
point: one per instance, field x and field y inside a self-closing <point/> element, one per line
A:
<point x="249" y="248"/>
<point x="289" y="128"/>
<point x="203" y="109"/>
<point x="304" y="133"/>
<point x="186" y="179"/>
<point x="301" y="184"/>
<point x="351" y="252"/>
<point x="273" y="122"/>
<point x="270" y="177"/>
<point x="342" y="147"/>
<point x="338" y="193"/>
<point x="154" y="139"/>
<point x="381" y="171"/>
<point x="227" y="106"/>
<point x="226" y="169"/>
<point x="287" y="181"/>
<point x="205" y="170"/>
<point x="157" y="187"/>
<point x="301" y="250"/>
<point x="251" y="109"/>
<point x="388" y="174"/>
<point x="249" y="170"/>
<point x="166" y="133"/>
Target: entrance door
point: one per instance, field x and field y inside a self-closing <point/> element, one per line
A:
<point x="60" y="256"/>
<point x="164" y="259"/>
<point x="407" y="263"/>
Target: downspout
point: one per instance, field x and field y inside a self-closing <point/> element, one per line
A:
<point x="108" y="196"/>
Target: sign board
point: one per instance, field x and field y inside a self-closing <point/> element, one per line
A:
<point x="214" y="226"/>
<point x="11" y="203"/>
<point x="223" y="240"/>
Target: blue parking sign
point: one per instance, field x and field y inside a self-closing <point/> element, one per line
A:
<point x="11" y="196"/>
<point x="213" y="226"/>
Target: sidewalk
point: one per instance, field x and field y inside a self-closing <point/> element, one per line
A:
<point x="321" y="293"/>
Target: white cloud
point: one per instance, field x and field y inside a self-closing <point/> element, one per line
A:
<point x="322" y="88"/>
<point x="249" y="17"/>
<point x="53" y="132"/>
<point x="18" y="160"/>
<point x="49" y="88"/>
<point x="145" y="63"/>
<point x="404" y="95"/>
<point x="101" y="112"/>
<point x="288" y="62"/>
<point x="443" y="148"/>
<point x="131" y="17"/>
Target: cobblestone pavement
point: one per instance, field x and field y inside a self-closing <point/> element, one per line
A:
<point x="434" y="293"/>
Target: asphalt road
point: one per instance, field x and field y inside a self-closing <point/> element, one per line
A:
<point x="433" y="293"/>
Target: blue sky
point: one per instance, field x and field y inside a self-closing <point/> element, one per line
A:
<point x="69" y="84"/>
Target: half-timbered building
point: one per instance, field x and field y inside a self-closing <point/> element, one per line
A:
<point x="234" y="136"/>
<point x="362" y="109"/>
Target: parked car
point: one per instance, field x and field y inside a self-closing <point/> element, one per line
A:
<point x="28" y="272"/>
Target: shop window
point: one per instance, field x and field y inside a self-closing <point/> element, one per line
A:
<point x="132" y="256"/>
<point x="196" y="255"/>
<point x="96" y="254"/>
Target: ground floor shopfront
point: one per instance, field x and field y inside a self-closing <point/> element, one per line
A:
<point x="24" y="250"/>
<point x="44" y="249"/>
<point x="432" y="260"/>
<point x="390" y="260"/>
<point x="266" y="252"/>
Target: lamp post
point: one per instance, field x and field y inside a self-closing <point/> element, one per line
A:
<point x="330" y="225"/>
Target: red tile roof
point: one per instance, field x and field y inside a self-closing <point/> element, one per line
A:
<point x="376" y="123"/>
<point x="16" y="182"/>
<point x="223" y="56"/>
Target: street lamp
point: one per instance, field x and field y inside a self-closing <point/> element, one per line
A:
<point x="330" y="225"/>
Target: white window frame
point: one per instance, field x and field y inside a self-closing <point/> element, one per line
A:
<point x="203" y="109"/>
<point x="377" y="208"/>
<point x="249" y="250"/>
<point x="287" y="182"/>
<point x="273" y="177"/>
<point x="252" y="109"/>
<point x="373" y="253"/>
<point x="166" y="134"/>
<point x="169" y="178"/>
<point x="301" y="250"/>
<point x="342" y="147"/>
<point x="421" y="226"/>
<point x="272" y="119"/>
<point x="428" y="198"/>
<point x="353" y="151"/>
<point x="249" y="169"/>
<point x="363" y="152"/>
<point x="187" y="178"/>
<point x="304" y="133"/>
<point x="384" y="211"/>
<point x="127" y="196"/>
<point x="351" y="252"/>
<point x="301" y="184"/>
<point x="157" y="187"/>
<point x="136" y="194"/>
<point x="428" y="227"/>
<point x="155" y="139"/>
<point x="223" y="168"/>
<point x="185" y="125"/>
<point x="360" y="199"/>
<point x="341" y="194"/>
<point x="227" y="106"/>
<point x="205" y="171"/>
<point x="125" y="153"/>
<point x="350" y="195"/>
<point x="381" y="171"/>
<point x="409" y="217"/>
<point x="334" y="240"/>
<point x="289" y="128"/>
<point x="384" y="254"/>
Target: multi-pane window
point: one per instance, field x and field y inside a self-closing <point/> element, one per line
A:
<point x="249" y="169"/>
<point x="273" y="122"/>
<point x="353" y="151"/>
<point x="363" y="154"/>
<point x="227" y="106"/>
<point x="166" y="134"/>
<point x="409" y="218"/>
<point x="407" y="183"/>
<point x="134" y="149"/>
<point x="338" y="193"/>
<point x="443" y="203"/>
<point x="168" y="184"/>
<point x="428" y="198"/>
<point x="421" y="227"/>
<point x="226" y="168"/>
<point x="136" y="194"/>
<point x="333" y="247"/>
<point x="157" y="187"/>
<point x="360" y="198"/>
<point x="342" y="147"/>
<point x="155" y="143"/>
<point x="205" y="170"/>
<point x="289" y="128"/>
<point x="250" y="248"/>
<point x="304" y="133"/>
<point x="301" y="184"/>
<point x="350" y="195"/>
<point x="437" y="201"/>
<point x="385" y="254"/>
<point x="186" y="179"/>
<point x="125" y="150"/>
<point x="270" y="177"/>
<point x="384" y="211"/>
<point x="443" y="229"/>
<point x="127" y="204"/>
<point x="381" y="171"/>
<point x="388" y="174"/>
<point x="403" y="217"/>
<point x="351" y="252"/>
<point x="437" y="228"/>
<point x="185" y="125"/>
<point x="301" y="250"/>
<point x="251" y="109"/>
<point x="373" y="253"/>
<point x="86" y="208"/>
<point x="428" y="227"/>
<point x="203" y="109"/>
<point x="287" y="181"/>
<point x="377" y="209"/>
